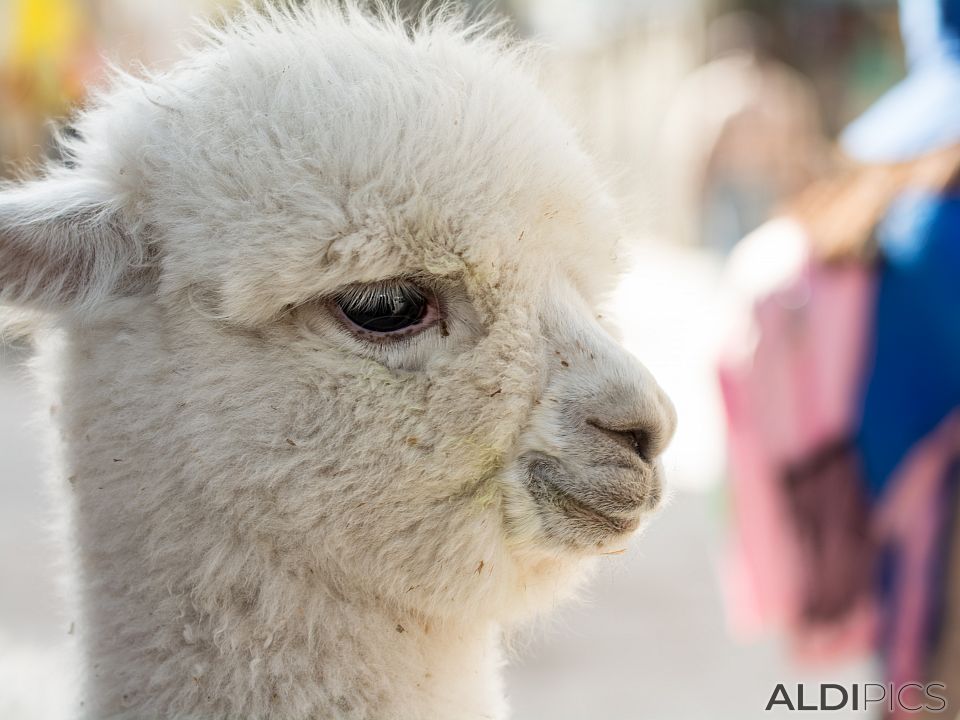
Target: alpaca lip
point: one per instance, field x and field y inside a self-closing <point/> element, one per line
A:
<point x="546" y="491"/>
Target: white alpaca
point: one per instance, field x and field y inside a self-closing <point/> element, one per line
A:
<point x="335" y="404"/>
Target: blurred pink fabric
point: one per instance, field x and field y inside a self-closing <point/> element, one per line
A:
<point x="790" y="382"/>
<point x="914" y="516"/>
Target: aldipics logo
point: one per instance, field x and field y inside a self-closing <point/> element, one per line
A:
<point x="909" y="697"/>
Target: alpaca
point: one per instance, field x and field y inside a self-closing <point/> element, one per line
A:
<point x="335" y="405"/>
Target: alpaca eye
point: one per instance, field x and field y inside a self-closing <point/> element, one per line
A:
<point x="393" y="307"/>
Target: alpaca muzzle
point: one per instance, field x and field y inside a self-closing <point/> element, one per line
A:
<point x="592" y="496"/>
<point x="588" y="460"/>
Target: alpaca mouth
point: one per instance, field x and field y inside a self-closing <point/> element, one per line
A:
<point x="544" y="482"/>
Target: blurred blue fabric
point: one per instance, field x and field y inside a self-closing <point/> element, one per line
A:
<point x="915" y="378"/>
<point x="920" y="114"/>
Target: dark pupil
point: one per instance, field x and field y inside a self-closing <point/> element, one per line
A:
<point x="389" y="311"/>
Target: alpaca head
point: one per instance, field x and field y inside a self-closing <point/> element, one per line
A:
<point x="331" y="287"/>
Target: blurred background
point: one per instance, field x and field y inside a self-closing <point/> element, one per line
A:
<point x="710" y="116"/>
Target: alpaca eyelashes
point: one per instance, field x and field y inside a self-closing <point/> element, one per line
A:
<point x="390" y="308"/>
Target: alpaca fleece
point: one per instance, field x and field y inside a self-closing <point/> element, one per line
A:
<point x="273" y="516"/>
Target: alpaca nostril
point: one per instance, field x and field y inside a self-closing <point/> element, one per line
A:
<point x="641" y="443"/>
<point x="639" y="440"/>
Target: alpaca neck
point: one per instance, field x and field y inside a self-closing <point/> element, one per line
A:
<point x="431" y="671"/>
<point x="353" y="660"/>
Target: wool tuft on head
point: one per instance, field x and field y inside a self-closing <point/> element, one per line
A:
<point x="336" y="406"/>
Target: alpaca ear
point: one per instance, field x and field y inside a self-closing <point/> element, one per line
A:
<point x="63" y="246"/>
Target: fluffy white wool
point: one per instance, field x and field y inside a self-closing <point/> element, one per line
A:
<point x="273" y="517"/>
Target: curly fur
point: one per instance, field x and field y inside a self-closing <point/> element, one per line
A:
<point x="273" y="517"/>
